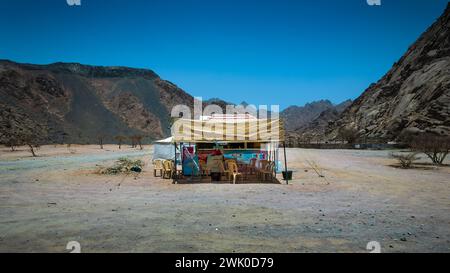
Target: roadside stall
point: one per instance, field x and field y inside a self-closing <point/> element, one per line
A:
<point x="249" y="146"/>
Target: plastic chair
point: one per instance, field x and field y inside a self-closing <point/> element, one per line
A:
<point x="262" y="165"/>
<point x="158" y="166"/>
<point x="234" y="171"/>
<point x="268" y="172"/>
<point x="252" y="166"/>
<point x="168" y="169"/>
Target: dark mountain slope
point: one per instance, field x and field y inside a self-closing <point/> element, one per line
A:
<point x="75" y="103"/>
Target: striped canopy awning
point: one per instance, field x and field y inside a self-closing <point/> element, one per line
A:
<point x="225" y="129"/>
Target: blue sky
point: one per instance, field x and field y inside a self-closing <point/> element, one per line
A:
<point x="282" y="52"/>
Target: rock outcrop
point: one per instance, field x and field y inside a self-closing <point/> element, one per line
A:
<point x="413" y="96"/>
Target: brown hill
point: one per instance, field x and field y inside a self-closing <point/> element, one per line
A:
<point x="69" y="102"/>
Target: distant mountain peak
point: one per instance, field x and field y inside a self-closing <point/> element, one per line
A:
<point x="299" y="116"/>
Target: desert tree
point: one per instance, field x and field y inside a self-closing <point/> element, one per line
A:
<point x="406" y="137"/>
<point x="65" y="139"/>
<point x="139" y="139"/>
<point x="136" y="140"/>
<point x="348" y="134"/>
<point x="435" y="147"/>
<point x="307" y="138"/>
<point x="9" y="136"/>
<point x="12" y="142"/>
<point x="101" y="140"/>
<point x="132" y="141"/>
<point x="299" y="141"/>
<point x="120" y="140"/>
<point x="31" y="141"/>
<point x="291" y="141"/>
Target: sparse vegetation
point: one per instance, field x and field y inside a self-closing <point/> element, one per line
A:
<point x="120" y="140"/>
<point x="133" y="141"/>
<point x="435" y="147"/>
<point x="406" y="160"/>
<point x="136" y="140"/>
<point x="31" y="142"/>
<point x="101" y="139"/>
<point x="124" y="166"/>
<point x="12" y="143"/>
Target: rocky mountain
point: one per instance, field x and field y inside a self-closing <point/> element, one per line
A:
<point x="298" y="117"/>
<point x="316" y="128"/>
<point x="219" y="102"/>
<point x="413" y="96"/>
<point x="70" y="102"/>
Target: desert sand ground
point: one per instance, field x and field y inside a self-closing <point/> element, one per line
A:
<point x="47" y="201"/>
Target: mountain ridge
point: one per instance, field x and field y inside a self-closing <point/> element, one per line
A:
<point x="296" y="117"/>
<point x="412" y="97"/>
<point x="76" y="103"/>
<point x="72" y="102"/>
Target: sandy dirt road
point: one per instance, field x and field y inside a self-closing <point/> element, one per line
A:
<point x="46" y="202"/>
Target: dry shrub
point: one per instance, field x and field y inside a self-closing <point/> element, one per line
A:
<point x="124" y="166"/>
<point x="405" y="160"/>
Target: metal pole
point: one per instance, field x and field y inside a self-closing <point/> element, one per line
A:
<point x="175" y="163"/>
<point x="181" y="156"/>
<point x="276" y="158"/>
<point x="285" y="163"/>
